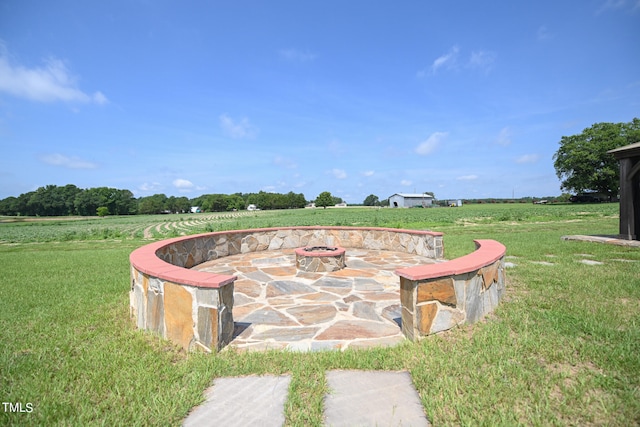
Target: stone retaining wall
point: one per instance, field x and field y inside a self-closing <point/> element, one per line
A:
<point x="194" y="309"/>
<point x="437" y="297"/>
<point x="193" y="250"/>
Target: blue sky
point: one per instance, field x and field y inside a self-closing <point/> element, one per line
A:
<point x="462" y="98"/>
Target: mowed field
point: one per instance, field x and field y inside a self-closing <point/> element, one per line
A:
<point x="562" y="348"/>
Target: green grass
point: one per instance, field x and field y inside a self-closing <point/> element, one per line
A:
<point x="21" y="229"/>
<point x="562" y="348"/>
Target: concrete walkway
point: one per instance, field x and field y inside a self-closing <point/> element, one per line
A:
<point x="356" y="398"/>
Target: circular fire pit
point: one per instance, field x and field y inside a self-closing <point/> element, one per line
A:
<point x="320" y="258"/>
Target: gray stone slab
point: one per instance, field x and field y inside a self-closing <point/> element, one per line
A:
<point x="365" y="310"/>
<point x="242" y="401"/>
<point x="333" y="282"/>
<point x="372" y="398"/>
<point x="611" y="240"/>
<point x="591" y="262"/>
<point x="269" y="262"/>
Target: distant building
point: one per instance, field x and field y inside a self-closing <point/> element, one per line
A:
<point x="252" y="208"/>
<point x="408" y="200"/>
<point x="341" y="205"/>
<point x="195" y="209"/>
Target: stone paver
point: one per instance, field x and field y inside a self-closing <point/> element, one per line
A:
<point x="372" y="398"/>
<point x="355" y="398"/>
<point x="242" y="401"/>
<point x="591" y="262"/>
<point x="611" y="240"/>
<point x="277" y="306"/>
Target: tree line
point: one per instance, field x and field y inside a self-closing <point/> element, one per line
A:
<point x="582" y="164"/>
<point x="53" y="200"/>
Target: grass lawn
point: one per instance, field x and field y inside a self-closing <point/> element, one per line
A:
<point x="562" y="348"/>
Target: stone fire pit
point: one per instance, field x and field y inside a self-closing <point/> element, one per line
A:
<point x="320" y="258"/>
<point x="313" y="306"/>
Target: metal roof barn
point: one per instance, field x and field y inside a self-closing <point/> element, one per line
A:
<point x="410" y="200"/>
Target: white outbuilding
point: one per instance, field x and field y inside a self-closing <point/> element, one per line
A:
<point x="408" y="200"/>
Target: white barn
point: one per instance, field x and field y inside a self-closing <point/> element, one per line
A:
<point x="408" y="200"/>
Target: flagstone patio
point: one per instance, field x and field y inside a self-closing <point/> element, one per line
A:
<point x="276" y="306"/>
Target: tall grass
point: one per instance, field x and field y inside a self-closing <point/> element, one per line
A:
<point x="562" y="348"/>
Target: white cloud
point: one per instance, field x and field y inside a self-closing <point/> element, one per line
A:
<point x="336" y="148"/>
<point x="339" y="173"/>
<point x="368" y="173"/>
<point x="431" y="143"/>
<point x="284" y="162"/>
<point x="482" y="59"/>
<point x="528" y="158"/>
<point x="448" y="60"/>
<point x="543" y="33"/>
<point x="467" y="177"/>
<point x="183" y="184"/>
<point x="296" y="55"/>
<point x="57" y="159"/>
<point x="504" y="137"/>
<point x="237" y="129"/>
<point x="613" y="5"/>
<point x="147" y="187"/>
<point x="99" y="98"/>
<point x="52" y="82"/>
<point x="406" y="182"/>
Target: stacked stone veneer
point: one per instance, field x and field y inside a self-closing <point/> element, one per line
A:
<point x="194" y="308"/>
<point x="193" y="250"/>
<point x="438" y="297"/>
<point x="323" y="260"/>
<point x="191" y="308"/>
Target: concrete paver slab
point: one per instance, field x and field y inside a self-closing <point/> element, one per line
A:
<point x="242" y="401"/>
<point x="372" y="398"/>
<point x="611" y="240"/>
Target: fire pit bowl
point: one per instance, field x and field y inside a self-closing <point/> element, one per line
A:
<point x="320" y="258"/>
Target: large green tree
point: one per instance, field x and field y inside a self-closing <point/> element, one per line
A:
<point x="582" y="162"/>
<point x="371" y="200"/>
<point x="52" y="200"/>
<point x="152" y="204"/>
<point x="119" y="202"/>
<point x="324" y="199"/>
